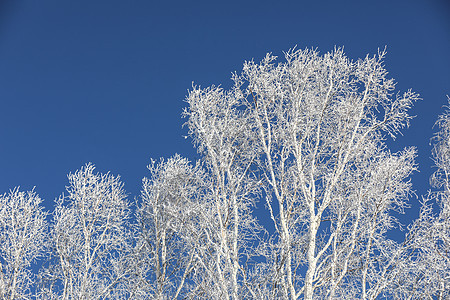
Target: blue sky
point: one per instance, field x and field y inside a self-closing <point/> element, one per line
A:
<point x="104" y="81"/>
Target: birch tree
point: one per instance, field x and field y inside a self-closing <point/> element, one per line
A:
<point x="300" y="142"/>
<point x="168" y="240"/>
<point x="427" y="274"/>
<point x="23" y="232"/>
<point x="315" y="126"/>
<point x="89" y="239"/>
<point x="219" y="130"/>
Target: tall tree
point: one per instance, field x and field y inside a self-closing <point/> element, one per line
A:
<point x="89" y="238"/>
<point x="219" y="128"/>
<point x="23" y="232"/>
<point x="427" y="274"/>
<point x="168" y="235"/>
<point x="315" y="125"/>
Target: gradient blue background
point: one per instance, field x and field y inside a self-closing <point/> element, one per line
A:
<point x="104" y="81"/>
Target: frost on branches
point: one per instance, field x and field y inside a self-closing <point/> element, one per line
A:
<point x="23" y="237"/>
<point x="88" y="239"/>
<point x="428" y="269"/>
<point x="301" y="141"/>
<point x="310" y="133"/>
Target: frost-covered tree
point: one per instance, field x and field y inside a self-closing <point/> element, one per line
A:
<point x="219" y="128"/>
<point x="89" y="238"/>
<point x="311" y="130"/>
<point x="168" y="236"/>
<point x="427" y="274"/>
<point x="23" y="232"/>
<point x="300" y="142"/>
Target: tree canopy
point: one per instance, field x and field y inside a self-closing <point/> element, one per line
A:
<point x="303" y="139"/>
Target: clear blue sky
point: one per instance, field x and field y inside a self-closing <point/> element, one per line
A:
<point x="104" y="81"/>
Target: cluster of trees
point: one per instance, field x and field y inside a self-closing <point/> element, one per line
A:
<point x="304" y="140"/>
